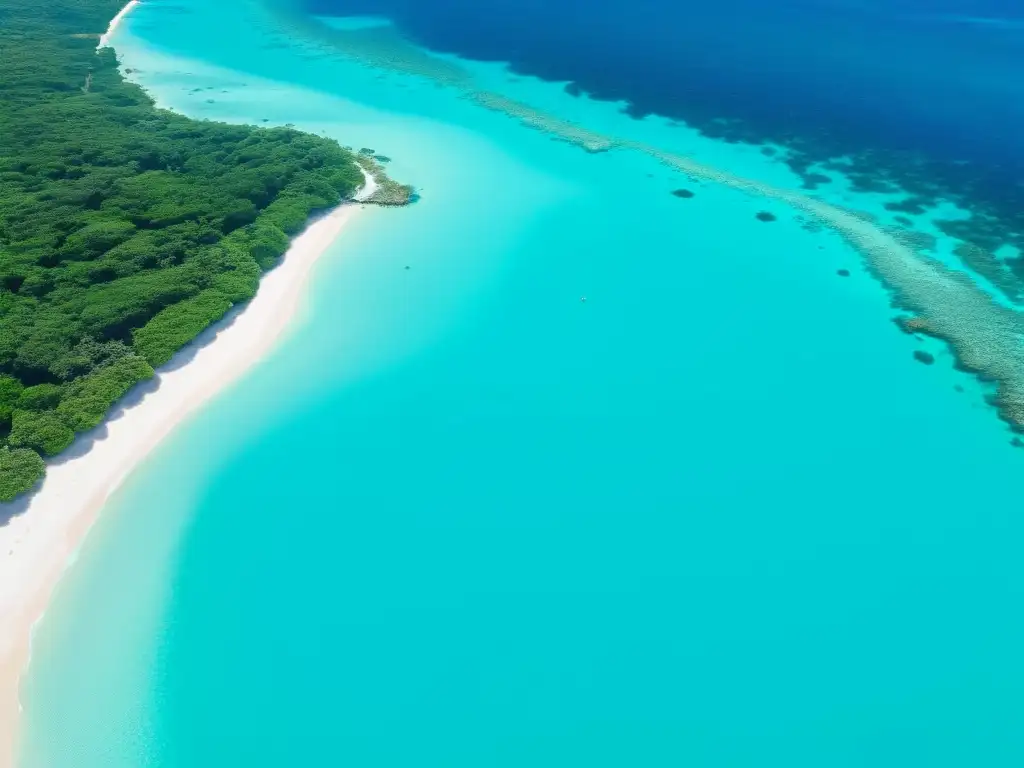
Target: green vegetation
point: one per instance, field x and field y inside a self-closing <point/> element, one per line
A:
<point x="389" y="191"/>
<point x="20" y="470"/>
<point x="124" y="230"/>
<point x="43" y="431"/>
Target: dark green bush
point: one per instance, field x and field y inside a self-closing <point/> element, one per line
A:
<point x="165" y="334"/>
<point x="87" y="399"/>
<point x="10" y="393"/>
<point x="43" y="431"/>
<point x="20" y="470"/>
<point x="41" y="397"/>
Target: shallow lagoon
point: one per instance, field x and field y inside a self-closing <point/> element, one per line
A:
<point x="715" y="514"/>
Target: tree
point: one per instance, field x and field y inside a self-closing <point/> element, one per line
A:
<point x="20" y="470"/>
<point x="43" y="431"/>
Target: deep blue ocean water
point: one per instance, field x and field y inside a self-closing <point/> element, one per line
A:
<point x="942" y="76"/>
<point x="715" y="515"/>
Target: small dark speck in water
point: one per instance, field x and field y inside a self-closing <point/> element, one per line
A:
<point x="843" y="272"/>
<point x="1017" y="442"/>
<point x="765" y="216"/>
<point x="957" y="388"/>
<point x="265" y="120"/>
<point x="683" y="193"/>
<point x="407" y="266"/>
<point x="924" y="357"/>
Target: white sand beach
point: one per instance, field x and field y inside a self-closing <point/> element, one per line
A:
<point x="114" y="22"/>
<point x="36" y="544"/>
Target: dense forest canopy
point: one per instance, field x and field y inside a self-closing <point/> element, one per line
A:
<point x="124" y="230"/>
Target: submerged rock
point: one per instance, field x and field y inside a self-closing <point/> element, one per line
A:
<point x="924" y="357"/>
<point x="683" y="193"/>
<point x="765" y="216"/>
<point x="843" y="272"/>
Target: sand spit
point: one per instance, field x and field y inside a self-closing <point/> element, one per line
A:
<point x="37" y="542"/>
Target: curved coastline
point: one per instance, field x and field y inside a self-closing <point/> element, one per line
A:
<point x="38" y="542"/>
<point x="116" y="22"/>
<point x="903" y="527"/>
<point x="41" y="533"/>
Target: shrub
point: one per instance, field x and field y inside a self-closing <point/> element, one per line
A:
<point x="44" y="432"/>
<point x="88" y="398"/>
<point x="10" y="392"/>
<point x="41" y="397"/>
<point x="177" y="325"/>
<point x="20" y="470"/>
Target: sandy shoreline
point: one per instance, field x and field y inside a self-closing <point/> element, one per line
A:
<point x="36" y="544"/>
<point x="114" y="22"/>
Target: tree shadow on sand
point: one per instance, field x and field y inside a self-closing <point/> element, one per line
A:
<point x="85" y="441"/>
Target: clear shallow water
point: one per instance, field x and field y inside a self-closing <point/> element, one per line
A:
<point x="714" y="515"/>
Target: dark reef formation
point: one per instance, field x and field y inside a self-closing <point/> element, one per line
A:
<point x="922" y="242"/>
<point x="814" y="180"/>
<point x="936" y="299"/>
<point x="988" y="266"/>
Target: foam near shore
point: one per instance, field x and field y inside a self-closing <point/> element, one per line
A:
<point x="38" y="542"/>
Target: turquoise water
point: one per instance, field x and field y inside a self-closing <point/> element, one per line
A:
<point x="715" y="515"/>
